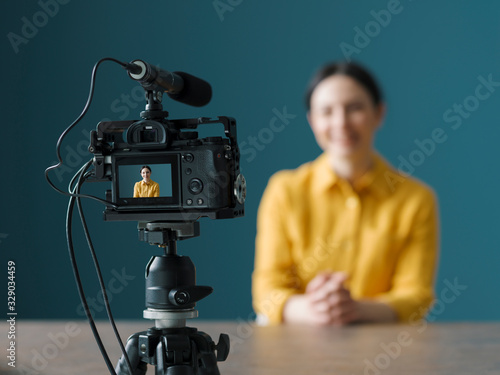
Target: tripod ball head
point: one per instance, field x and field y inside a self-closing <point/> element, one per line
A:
<point x="171" y="283"/>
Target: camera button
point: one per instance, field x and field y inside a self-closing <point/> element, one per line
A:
<point x="188" y="158"/>
<point x="199" y="201"/>
<point x="188" y="171"/>
<point x="189" y="201"/>
<point x="195" y="186"/>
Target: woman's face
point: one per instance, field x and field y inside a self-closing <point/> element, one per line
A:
<point x="343" y="117"/>
<point x="145" y="174"/>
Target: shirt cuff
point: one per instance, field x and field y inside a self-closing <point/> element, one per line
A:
<point x="408" y="309"/>
<point x="269" y="309"/>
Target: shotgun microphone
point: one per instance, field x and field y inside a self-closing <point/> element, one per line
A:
<point x="180" y="86"/>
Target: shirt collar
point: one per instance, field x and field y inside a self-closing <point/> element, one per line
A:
<point x="374" y="179"/>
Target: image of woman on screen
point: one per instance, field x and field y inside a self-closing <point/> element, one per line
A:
<point x="146" y="188"/>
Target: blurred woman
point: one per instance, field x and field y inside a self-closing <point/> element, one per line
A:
<point x="344" y="238"/>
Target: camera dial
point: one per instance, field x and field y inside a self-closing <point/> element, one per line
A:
<point x="240" y="189"/>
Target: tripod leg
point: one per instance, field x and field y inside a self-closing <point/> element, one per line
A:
<point x="132" y="349"/>
<point x="190" y="353"/>
<point x="174" y="356"/>
<point x="205" y="356"/>
<point x="207" y="364"/>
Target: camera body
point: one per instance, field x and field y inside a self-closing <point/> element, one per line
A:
<point x="196" y="176"/>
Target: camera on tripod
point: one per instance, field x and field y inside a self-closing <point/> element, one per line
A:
<point x="196" y="176"/>
<point x="184" y="177"/>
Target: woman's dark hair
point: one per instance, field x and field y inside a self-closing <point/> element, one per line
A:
<point x="145" y="166"/>
<point x="350" y="69"/>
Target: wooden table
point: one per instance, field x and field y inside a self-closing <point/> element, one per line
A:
<point x="53" y="348"/>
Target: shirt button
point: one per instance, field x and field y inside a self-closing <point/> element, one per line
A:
<point x="351" y="202"/>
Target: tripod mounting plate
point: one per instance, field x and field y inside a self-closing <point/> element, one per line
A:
<point x="161" y="233"/>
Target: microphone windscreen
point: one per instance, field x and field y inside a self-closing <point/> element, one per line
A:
<point x="196" y="92"/>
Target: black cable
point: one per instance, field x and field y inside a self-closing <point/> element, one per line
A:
<point x="75" y="196"/>
<point x="80" y="182"/>
<point x="67" y="130"/>
<point x="75" y="178"/>
<point x="69" y="236"/>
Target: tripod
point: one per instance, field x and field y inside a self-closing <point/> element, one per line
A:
<point x="171" y="294"/>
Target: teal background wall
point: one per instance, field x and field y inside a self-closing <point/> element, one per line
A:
<point x="438" y="62"/>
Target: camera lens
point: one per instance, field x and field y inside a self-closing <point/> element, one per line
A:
<point x="195" y="186"/>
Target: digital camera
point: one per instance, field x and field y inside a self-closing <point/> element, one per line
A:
<point x="196" y="176"/>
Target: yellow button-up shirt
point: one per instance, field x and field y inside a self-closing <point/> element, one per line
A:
<point x="382" y="231"/>
<point x="146" y="189"/>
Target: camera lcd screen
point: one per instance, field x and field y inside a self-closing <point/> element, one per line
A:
<point x="161" y="189"/>
<point x="129" y="175"/>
